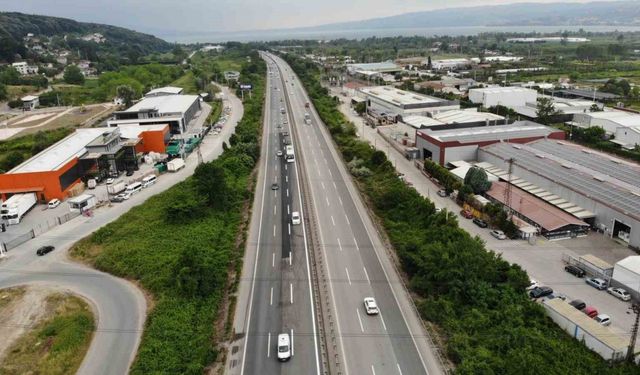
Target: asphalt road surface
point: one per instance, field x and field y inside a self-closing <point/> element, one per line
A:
<point x="393" y="342"/>
<point x="120" y="306"/>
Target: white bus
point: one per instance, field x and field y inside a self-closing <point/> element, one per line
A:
<point x="134" y="188"/>
<point x="149" y="180"/>
<point x="289" y="155"/>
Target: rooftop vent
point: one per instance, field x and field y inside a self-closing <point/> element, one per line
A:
<point x="517" y="147"/>
<point x="599" y="178"/>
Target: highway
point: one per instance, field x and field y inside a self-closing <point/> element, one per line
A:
<point x="120" y="307"/>
<point x="393" y="342"/>
<point x="280" y="299"/>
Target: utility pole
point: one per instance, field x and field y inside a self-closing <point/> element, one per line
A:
<point x="635" y="307"/>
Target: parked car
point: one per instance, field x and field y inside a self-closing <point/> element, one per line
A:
<point x="370" y="306"/>
<point x="44" y="250"/>
<point x="596" y="283"/>
<point x="117" y="199"/>
<point x="110" y="180"/>
<point x="279" y="153"/>
<point x="603" y="319"/>
<point x="619" y="293"/>
<point x="466" y="214"/>
<point x="578" y="304"/>
<point x="481" y="223"/>
<point x="498" y="234"/>
<point x="540" y="291"/>
<point x="532" y="284"/>
<point x="124" y="196"/>
<point x="590" y="311"/>
<point x="559" y="296"/>
<point x="55" y="202"/>
<point x="574" y="270"/>
<point x="442" y="193"/>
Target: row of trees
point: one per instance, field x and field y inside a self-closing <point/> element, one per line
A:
<point x="474" y="296"/>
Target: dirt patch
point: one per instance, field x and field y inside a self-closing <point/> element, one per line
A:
<point x="24" y="307"/>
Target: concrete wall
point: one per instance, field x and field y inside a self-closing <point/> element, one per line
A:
<point x="628" y="136"/>
<point x="605" y="214"/>
<point x="507" y="99"/>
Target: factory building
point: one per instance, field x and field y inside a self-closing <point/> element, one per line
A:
<point x="399" y="103"/>
<point x="504" y="96"/>
<point x="574" y="176"/>
<point x="93" y="151"/>
<point x="445" y="146"/>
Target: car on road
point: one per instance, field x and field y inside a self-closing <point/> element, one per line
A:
<point x="603" y="319"/>
<point x="578" y="304"/>
<point x="275" y="186"/>
<point x="619" y="293"/>
<point x="481" y="223"/>
<point x="575" y="270"/>
<point x="129" y="172"/>
<point x="295" y="218"/>
<point x="279" y="153"/>
<point x="442" y="193"/>
<point x="285" y="134"/>
<point x="284" y="347"/>
<point x="44" y="250"/>
<point x="370" y="306"/>
<point x="596" y="283"/>
<point x="498" y="234"/>
<point x="559" y="296"/>
<point x="110" y="180"/>
<point x="124" y="196"/>
<point x="55" y="202"/>
<point x="466" y="214"/>
<point x="540" y="291"/>
<point x="116" y="199"/>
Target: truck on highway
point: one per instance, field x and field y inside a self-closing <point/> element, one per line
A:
<point x="175" y="165"/>
<point x="14" y="208"/>
<point x="289" y="154"/>
<point x="116" y="187"/>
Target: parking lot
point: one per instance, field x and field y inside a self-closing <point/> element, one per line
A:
<point x="542" y="260"/>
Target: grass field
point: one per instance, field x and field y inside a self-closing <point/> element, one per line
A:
<point x="187" y="82"/>
<point x="57" y="344"/>
<point x="16" y="92"/>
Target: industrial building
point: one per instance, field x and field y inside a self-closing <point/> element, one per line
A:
<point x="373" y="68"/>
<point x="610" y="121"/>
<point x="454" y="119"/>
<point x="601" y="189"/>
<point x="92" y="151"/>
<point x="567" y="108"/>
<point x="399" y="103"/>
<point x="587" y="94"/>
<point x="30" y="102"/>
<point x="504" y="96"/>
<point x="167" y="90"/>
<point x="178" y="111"/>
<point x="448" y="64"/>
<point x="462" y="144"/>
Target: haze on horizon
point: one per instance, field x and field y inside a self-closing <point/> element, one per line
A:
<point x="166" y="17"/>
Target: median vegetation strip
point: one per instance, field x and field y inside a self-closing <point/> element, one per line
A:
<point x="58" y="341"/>
<point x="184" y="246"/>
<point x="475" y="297"/>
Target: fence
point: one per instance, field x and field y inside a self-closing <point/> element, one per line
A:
<point x="38" y="230"/>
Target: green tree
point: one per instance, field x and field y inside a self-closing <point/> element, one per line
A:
<point x="73" y="75"/>
<point x="545" y="110"/>
<point x="476" y="178"/>
<point x="126" y="93"/>
<point x="211" y="182"/>
<point x="3" y="91"/>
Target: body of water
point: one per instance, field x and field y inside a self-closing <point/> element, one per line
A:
<point x="271" y="35"/>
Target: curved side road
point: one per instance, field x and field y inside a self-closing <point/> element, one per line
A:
<point x="119" y="305"/>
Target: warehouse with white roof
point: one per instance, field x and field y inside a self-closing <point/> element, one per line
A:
<point x="504" y="96"/>
<point x="392" y="101"/>
<point x="599" y="183"/>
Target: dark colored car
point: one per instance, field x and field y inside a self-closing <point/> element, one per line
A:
<point x="578" y="304"/>
<point x="481" y="223"/>
<point x="540" y="291"/>
<point x="129" y="172"/>
<point x="574" y="270"/>
<point x="466" y="214"/>
<point x="116" y="199"/>
<point x="44" y="250"/>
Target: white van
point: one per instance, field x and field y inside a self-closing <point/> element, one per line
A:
<point x="284" y="347"/>
<point x="149" y="180"/>
<point x="134" y="188"/>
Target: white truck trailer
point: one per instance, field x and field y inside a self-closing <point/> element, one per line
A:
<point x="14" y="208"/>
<point x="116" y="187"/>
<point x="175" y="165"/>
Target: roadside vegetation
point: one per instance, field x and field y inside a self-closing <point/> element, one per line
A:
<point x="58" y="341"/>
<point x="475" y="298"/>
<point x="184" y="246"/>
<point x="18" y="149"/>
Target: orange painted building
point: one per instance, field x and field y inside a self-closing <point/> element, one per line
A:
<point x="56" y="170"/>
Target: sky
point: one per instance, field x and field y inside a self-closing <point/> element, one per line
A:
<point x="193" y="16"/>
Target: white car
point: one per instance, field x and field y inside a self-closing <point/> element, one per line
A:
<point x="55" y="202"/>
<point x="124" y="196"/>
<point x="498" y="234"/>
<point x="279" y="153"/>
<point x="110" y="180"/>
<point x="603" y="319"/>
<point x="619" y="293"/>
<point x="295" y="218"/>
<point x="284" y="347"/>
<point x="370" y="306"/>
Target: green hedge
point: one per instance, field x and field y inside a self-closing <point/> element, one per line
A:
<point x="471" y="293"/>
<point x="181" y="245"/>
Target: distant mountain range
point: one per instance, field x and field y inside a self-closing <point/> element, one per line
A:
<point x="625" y="13"/>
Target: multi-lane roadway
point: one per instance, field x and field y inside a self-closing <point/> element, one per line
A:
<point x="392" y="342"/>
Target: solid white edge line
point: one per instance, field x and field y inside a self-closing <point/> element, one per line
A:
<point x="399" y="369"/>
<point x="271" y="298"/>
<point x="269" y="345"/>
<point x="348" y="277"/>
<point x="255" y="266"/>
<point x="382" y="319"/>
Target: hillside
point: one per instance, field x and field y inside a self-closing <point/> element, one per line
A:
<point x="14" y="26"/>
<point x="522" y="14"/>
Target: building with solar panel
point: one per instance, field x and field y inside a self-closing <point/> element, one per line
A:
<point x="600" y="189"/>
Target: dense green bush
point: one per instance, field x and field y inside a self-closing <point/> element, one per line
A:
<point x="184" y="260"/>
<point x="475" y="296"/>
